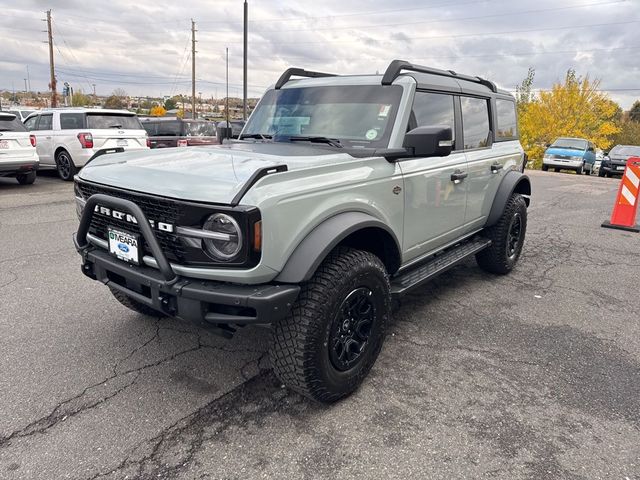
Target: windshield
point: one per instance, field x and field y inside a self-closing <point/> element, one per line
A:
<point x="570" y="143"/>
<point x="358" y="116"/>
<point x="113" y="120"/>
<point x="625" y="151"/>
<point x="11" y="124"/>
<point x="199" y="129"/>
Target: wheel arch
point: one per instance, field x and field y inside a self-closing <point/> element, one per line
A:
<point x="59" y="149"/>
<point x="353" y="229"/>
<point x="513" y="182"/>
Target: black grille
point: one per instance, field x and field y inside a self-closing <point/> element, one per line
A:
<point x="157" y="209"/>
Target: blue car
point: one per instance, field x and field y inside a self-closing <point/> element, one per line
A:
<point x="575" y="154"/>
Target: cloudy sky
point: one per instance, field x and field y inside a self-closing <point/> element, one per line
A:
<point x="143" y="46"/>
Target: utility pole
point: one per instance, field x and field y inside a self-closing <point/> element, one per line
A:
<point x="28" y="78"/>
<point x="226" y="108"/>
<point x="25" y="86"/>
<point x="244" y="68"/>
<point x="54" y="94"/>
<point x="193" y="67"/>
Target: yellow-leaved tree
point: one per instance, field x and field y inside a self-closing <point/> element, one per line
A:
<point x="574" y="108"/>
<point x="157" y="111"/>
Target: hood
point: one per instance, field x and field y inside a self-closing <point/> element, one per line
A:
<point x="212" y="174"/>
<point x="564" y="152"/>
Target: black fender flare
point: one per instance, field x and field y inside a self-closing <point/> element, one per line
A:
<point x="512" y="182"/>
<point x="315" y="247"/>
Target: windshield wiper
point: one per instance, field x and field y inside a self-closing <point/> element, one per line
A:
<point x="260" y="136"/>
<point x="334" y="142"/>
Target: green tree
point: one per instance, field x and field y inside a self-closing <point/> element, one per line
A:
<point x="170" y="104"/>
<point x="81" y="100"/>
<point x="629" y="134"/>
<point x="524" y="93"/>
<point x="634" y="113"/>
<point x="118" y="99"/>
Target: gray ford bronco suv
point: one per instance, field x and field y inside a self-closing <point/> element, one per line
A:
<point x="341" y="193"/>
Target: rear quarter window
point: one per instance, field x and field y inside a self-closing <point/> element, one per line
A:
<point x="71" y="121"/>
<point x="507" y="128"/>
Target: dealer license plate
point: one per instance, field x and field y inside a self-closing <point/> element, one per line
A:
<point x="620" y="168"/>
<point x="124" y="246"/>
<point x="122" y="143"/>
<point x="4" y="144"/>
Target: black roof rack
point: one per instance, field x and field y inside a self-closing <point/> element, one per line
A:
<point x="395" y="68"/>
<point x="299" y="72"/>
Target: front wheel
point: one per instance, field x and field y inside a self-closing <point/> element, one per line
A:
<point x="507" y="238"/>
<point x="327" y="345"/>
<point x="601" y="172"/>
<point x="580" y="170"/>
<point x="65" y="166"/>
<point x="545" y="168"/>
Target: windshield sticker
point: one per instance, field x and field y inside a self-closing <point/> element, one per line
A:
<point x="371" y="134"/>
<point x="384" y="110"/>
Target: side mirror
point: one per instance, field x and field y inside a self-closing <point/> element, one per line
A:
<point x="548" y="145"/>
<point x="431" y="141"/>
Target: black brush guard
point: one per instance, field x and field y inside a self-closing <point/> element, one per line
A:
<point x="206" y="303"/>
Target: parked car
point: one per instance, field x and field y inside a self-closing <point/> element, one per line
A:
<point x="575" y="154"/>
<point x="67" y="138"/>
<point x="176" y="132"/>
<point x="21" y="113"/>
<point x="599" y="158"/>
<point x="614" y="163"/>
<point x="343" y="192"/>
<point x="18" y="156"/>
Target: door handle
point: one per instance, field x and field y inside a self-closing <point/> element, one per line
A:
<point x="458" y="176"/>
<point x="496" y="167"/>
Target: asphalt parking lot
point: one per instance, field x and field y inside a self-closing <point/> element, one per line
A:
<point x="535" y="375"/>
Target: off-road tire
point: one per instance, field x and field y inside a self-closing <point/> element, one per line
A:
<point x="26" y="178"/>
<point x="133" y="304"/>
<point x="497" y="258"/>
<point x="301" y="353"/>
<point x="65" y="166"/>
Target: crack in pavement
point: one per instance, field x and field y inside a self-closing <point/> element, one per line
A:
<point x="60" y="414"/>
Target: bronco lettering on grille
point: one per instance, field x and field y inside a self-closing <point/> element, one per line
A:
<point x="127" y="217"/>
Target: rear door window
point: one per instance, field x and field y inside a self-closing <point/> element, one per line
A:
<point x="71" y="121"/>
<point x="46" y="122"/>
<point x="507" y="124"/>
<point x="113" y="120"/>
<point x="11" y="124"/>
<point x="475" y="122"/>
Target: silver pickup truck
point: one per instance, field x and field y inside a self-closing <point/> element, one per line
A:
<point x="341" y="193"/>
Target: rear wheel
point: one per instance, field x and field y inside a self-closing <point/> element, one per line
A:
<point x="133" y="304"/>
<point x="327" y="345"/>
<point x="26" y="178"/>
<point x="507" y="238"/>
<point x="66" y="167"/>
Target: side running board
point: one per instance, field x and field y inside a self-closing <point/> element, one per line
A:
<point x="441" y="262"/>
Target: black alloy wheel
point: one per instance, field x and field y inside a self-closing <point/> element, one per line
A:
<point x="66" y="167"/>
<point x="351" y="329"/>
<point x="514" y="237"/>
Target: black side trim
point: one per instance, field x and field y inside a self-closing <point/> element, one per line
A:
<point x="397" y="66"/>
<point x="255" y="176"/>
<point x="82" y="244"/>
<point x="299" y="72"/>
<point x="104" y="151"/>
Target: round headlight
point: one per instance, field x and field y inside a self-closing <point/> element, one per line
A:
<point x="226" y="241"/>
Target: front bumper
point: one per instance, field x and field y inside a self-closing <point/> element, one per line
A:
<point x="568" y="164"/>
<point x="204" y="302"/>
<point x="613" y="168"/>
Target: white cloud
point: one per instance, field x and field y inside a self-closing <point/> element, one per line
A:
<point x="143" y="46"/>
